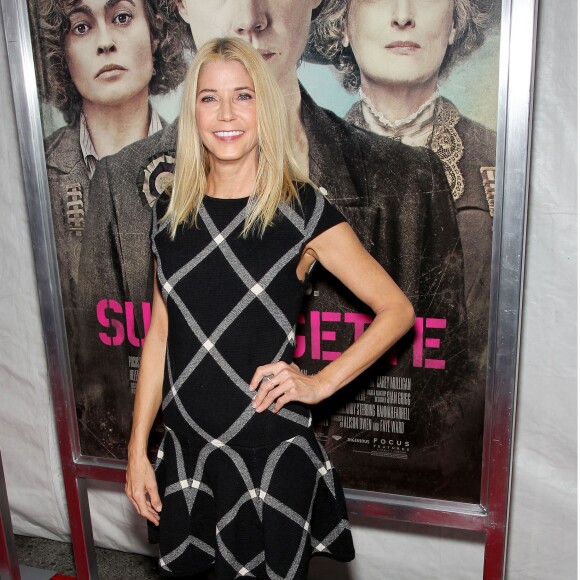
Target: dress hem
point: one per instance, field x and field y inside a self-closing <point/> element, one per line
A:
<point x="347" y="558"/>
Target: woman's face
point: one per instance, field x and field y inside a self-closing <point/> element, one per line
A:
<point x="278" y="29"/>
<point x="400" y="42"/>
<point x="225" y="112"/>
<point x="108" y="50"/>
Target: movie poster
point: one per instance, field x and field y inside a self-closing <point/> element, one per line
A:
<point x="394" y="106"/>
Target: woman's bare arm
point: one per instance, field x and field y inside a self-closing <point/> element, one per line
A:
<point x="140" y="475"/>
<point x="341" y="253"/>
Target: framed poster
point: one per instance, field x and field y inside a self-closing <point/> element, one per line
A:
<point x="425" y="74"/>
<point x="401" y="117"/>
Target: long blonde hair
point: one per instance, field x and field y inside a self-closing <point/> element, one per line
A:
<point x="277" y="168"/>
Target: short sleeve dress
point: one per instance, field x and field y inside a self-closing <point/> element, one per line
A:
<point x="252" y="494"/>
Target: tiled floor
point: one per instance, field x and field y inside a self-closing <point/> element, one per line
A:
<point x="54" y="556"/>
<point x="27" y="573"/>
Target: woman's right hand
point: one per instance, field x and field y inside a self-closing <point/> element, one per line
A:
<point x="141" y="487"/>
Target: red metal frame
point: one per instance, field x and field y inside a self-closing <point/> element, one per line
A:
<point x="8" y="559"/>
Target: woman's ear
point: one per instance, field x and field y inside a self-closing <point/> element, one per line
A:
<point x="345" y="39"/>
<point x="452" y="36"/>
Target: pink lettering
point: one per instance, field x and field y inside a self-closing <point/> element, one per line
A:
<point x="146" y="306"/>
<point x="434" y="363"/>
<point x="130" y="318"/>
<point x="106" y="308"/>
<point x="315" y="334"/>
<point x="420" y="342"/>
<point x="300" y="339"/>
<point x="104" y="321"/>
<point x="436" y="323"/>
<point x="359" y="321"/>
<point x="330" y="335"/>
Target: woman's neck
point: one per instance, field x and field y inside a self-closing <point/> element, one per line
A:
<point x="112" y="127"/>
<point x="232" y="179"/>
<point x="399" y="101"/>
<point x="293" y="99"/>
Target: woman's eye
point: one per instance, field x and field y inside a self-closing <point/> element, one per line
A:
<point x="244" y="96"/>
<point x="207" y="99"/>
<point x="80" y="28"/>
<point x="123" y="18"/>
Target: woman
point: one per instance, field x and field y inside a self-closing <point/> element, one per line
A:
<point x="245" y="485"/>
<point x="102" y="60"/>
<point x="387" y="208"/>
<point x="394" y="52"/>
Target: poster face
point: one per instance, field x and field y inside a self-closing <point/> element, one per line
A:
<point x="395" y="108"/>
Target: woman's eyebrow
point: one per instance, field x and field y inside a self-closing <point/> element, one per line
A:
<point x="234" y="89"/>
<point x="84" y="9"/>
<point x="111" y="3"/>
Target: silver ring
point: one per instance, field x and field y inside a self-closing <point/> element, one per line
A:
<point x="268" y="378"/>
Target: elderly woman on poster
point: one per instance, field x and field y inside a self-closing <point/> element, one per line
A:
<point x="394" y="54"/>
<point x="406" y="219"/>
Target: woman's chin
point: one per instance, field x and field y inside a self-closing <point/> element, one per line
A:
<point x="405" y="79"/>
<point x="118" y="96"/>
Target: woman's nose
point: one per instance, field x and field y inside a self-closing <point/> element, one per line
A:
<point x="226" y="111"/>
<point x="250" y="17"/>
<point x="105" y="42"/>
<point x="403" y="14"/>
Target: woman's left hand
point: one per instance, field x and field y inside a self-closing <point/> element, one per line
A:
<point x="282" y="382"/>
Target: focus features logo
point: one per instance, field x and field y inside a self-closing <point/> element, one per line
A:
<point x="390" y="444"/>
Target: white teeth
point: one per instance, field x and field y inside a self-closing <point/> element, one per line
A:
<point x="228" y="133"/>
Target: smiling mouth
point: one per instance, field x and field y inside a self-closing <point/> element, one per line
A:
<point x="228" y="134"/>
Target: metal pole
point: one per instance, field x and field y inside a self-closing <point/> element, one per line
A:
<point x="516" y="100"/>
<point x="8" y="559"/>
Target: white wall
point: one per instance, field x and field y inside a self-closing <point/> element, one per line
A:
<point x="543" y="534"/>
<point x="543" y="515"/>
<point x="27" y="438"/>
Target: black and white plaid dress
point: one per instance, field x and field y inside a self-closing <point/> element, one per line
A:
<point x="252" y="493"/>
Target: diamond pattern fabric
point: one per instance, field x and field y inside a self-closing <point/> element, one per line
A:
<point x="252" y="494"/>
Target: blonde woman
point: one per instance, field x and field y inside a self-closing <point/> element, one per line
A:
<point x="241" y="482"/>
<point x="405" y="218"/>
